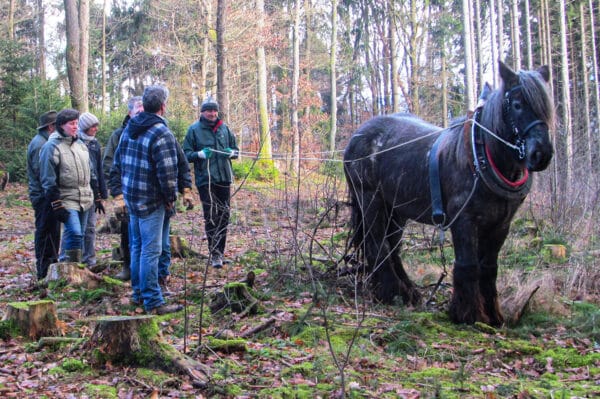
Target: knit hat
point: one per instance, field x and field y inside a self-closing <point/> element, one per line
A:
<point x="46" y="119"/>
<point x="87" y="120"/>
<point x="209" y="104"/>
<point x="64" y="116"/>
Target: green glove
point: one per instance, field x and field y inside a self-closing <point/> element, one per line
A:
<point x="205" y="153"/>
<point x="231" y="152"/>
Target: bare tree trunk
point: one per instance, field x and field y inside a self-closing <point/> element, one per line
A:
<point x="586" y="125"/>
<point x="478" y="45"/>
<point x="265" y="150"/>
<point x="104" y="107"/>
<point x="515" y="37"/>
<point x="11" y="19"/>
<point x="468" y="45"/>
<point x="394" y="56"/>
<point x="333" y="76"/>
<point x="206" y="22"/>
<point x="77" y="51"/>
<point x="528" y="47"/>
<point x="565" y="104"/>
<point x="222" y="94"/>
<point x="596" y="72"/>
<point x="41" y="45"/>
<point x="494" y="36"/>
<point x="500" y="15"/>
<point x="295" y="89"/>
<point x="444" y="74"/>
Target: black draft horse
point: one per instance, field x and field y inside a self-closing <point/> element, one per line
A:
<point x="473" y="176"/>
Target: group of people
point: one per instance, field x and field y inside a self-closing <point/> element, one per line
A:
<point x="145" y="169"/>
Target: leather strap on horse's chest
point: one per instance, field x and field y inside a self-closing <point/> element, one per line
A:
<point x="438" y="216"/>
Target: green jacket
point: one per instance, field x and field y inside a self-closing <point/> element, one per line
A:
<point x="217" y="168"/>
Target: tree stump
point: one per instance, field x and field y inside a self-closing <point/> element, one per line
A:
<point x="137" y="341"/>
<point x="237" y="297"/>
<point x="73" y="274"/>
<point x="34" y="319"/>
<point x="180" y="248"/>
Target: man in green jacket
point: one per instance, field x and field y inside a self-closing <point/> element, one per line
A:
<point x="210" y="145"/>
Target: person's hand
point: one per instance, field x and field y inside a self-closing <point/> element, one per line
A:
<point x="231" y="152"/>
<point x="99" y="206"/>
<point x="60" y="212"/>
<point x="188" y="198"/>
<point x="120" y="208"/>
<point x="170" y="209"/>
<point x="205" y="153"/>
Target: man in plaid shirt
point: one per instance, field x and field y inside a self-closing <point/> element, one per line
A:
<point x="146" y="164"/>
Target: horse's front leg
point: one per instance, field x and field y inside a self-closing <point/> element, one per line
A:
<point x="489" y="247"/>
<point x="467" y="304"/>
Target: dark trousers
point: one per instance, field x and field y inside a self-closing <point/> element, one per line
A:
<point x="124" y="246"/>
<point x="46" y="237"/>
<point x="215" y="205"/>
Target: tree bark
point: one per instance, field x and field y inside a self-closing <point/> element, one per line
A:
<point x="295" y="89"/>
<point x="468" y="45"/>
<point x="34" y="319"/>
<point x="222" y="89"/>
<point x="77" y="24"/>
<point x="265" y="150"/>
<point x="137" y="341"/>
<point x="333" y="77"/>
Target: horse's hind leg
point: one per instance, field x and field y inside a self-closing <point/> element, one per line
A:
<point x="385" y="284"/>
<point x="408" y="290"/>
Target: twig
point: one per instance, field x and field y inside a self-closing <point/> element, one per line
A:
<point x="259" y="328"/>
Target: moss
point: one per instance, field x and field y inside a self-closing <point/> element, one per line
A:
<point x="154" y="377"/>
<point x="302" y="368"/>
<point x="8" y="329"/>
<point x="567" y="357"/>
<point x="27" y="305"/>
<point x="57" y="371"/>
<point x="72" y="365"/>
<point x="101" y="391"/>
<point x="225" y="344"/>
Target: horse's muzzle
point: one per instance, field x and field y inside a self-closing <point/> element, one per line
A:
<point x="539" y="152"/>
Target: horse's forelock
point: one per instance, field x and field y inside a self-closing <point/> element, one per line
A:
<point x="537" y="94"/>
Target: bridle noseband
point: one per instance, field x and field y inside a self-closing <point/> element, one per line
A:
<point x="520" y="136"/>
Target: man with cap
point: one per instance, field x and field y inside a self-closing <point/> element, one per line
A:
<point x="47" y="227"/>
<point x="210" y="145"/>
<point x="67" y="180"/>
<point x="87" y="129"/>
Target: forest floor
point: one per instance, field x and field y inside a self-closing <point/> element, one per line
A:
<point x="321" y="337"/>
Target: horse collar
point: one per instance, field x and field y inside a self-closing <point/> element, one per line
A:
<point x="489" y="172"/>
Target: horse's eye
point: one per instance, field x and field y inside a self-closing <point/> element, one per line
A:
<point x="517" y="105"/>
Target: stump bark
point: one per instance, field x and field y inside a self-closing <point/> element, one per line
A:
<point x="34" y="319"/>
<point x="73" y="274"/>
<point x="137" y="341"/>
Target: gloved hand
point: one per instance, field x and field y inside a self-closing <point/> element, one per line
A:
<point x="231" y="152"/>
<point x="99" y="206"/>
<point x="120" y="208"/>
<point x="188" y="198"/>
<point x="205" y="153"/>
<point x="60" y="212"/>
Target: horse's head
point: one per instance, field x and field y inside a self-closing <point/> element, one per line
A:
<point x="528" y="112"/>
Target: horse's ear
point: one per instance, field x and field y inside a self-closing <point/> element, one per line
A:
<point x="508" y="76"/>
<point x="545" y="72"/>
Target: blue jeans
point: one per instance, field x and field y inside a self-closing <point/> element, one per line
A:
<point x="89" y="239"/>
<point x="74" y="229"/>
<point x="165" y="256"/>
<point x="146" y="246"/>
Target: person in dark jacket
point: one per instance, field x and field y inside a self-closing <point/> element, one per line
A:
<point x="87" y="129"/>
<point x="134" y="107"/>
<point x="145" y="162"/>
<point x="210" y="145"/>
<point x="66" y="178"/>
<point x="47" y="227"/>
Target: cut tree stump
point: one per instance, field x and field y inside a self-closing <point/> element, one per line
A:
<point x="73" y="274"/>
<point x="137" y="341"/>
<point x="237" y="297"/>
<point x="180" y="248"/>
<point x="34" y="319"/>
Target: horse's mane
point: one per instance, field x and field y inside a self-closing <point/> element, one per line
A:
<point x="535" y="91"/>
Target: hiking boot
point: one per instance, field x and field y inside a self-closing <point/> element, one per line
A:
<point x="98" y="267"/>
<point x="125" y="274"/>
<point x="162" y="282"/>
<point x="216" y="261"/>
<point x="164" y="309"/>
